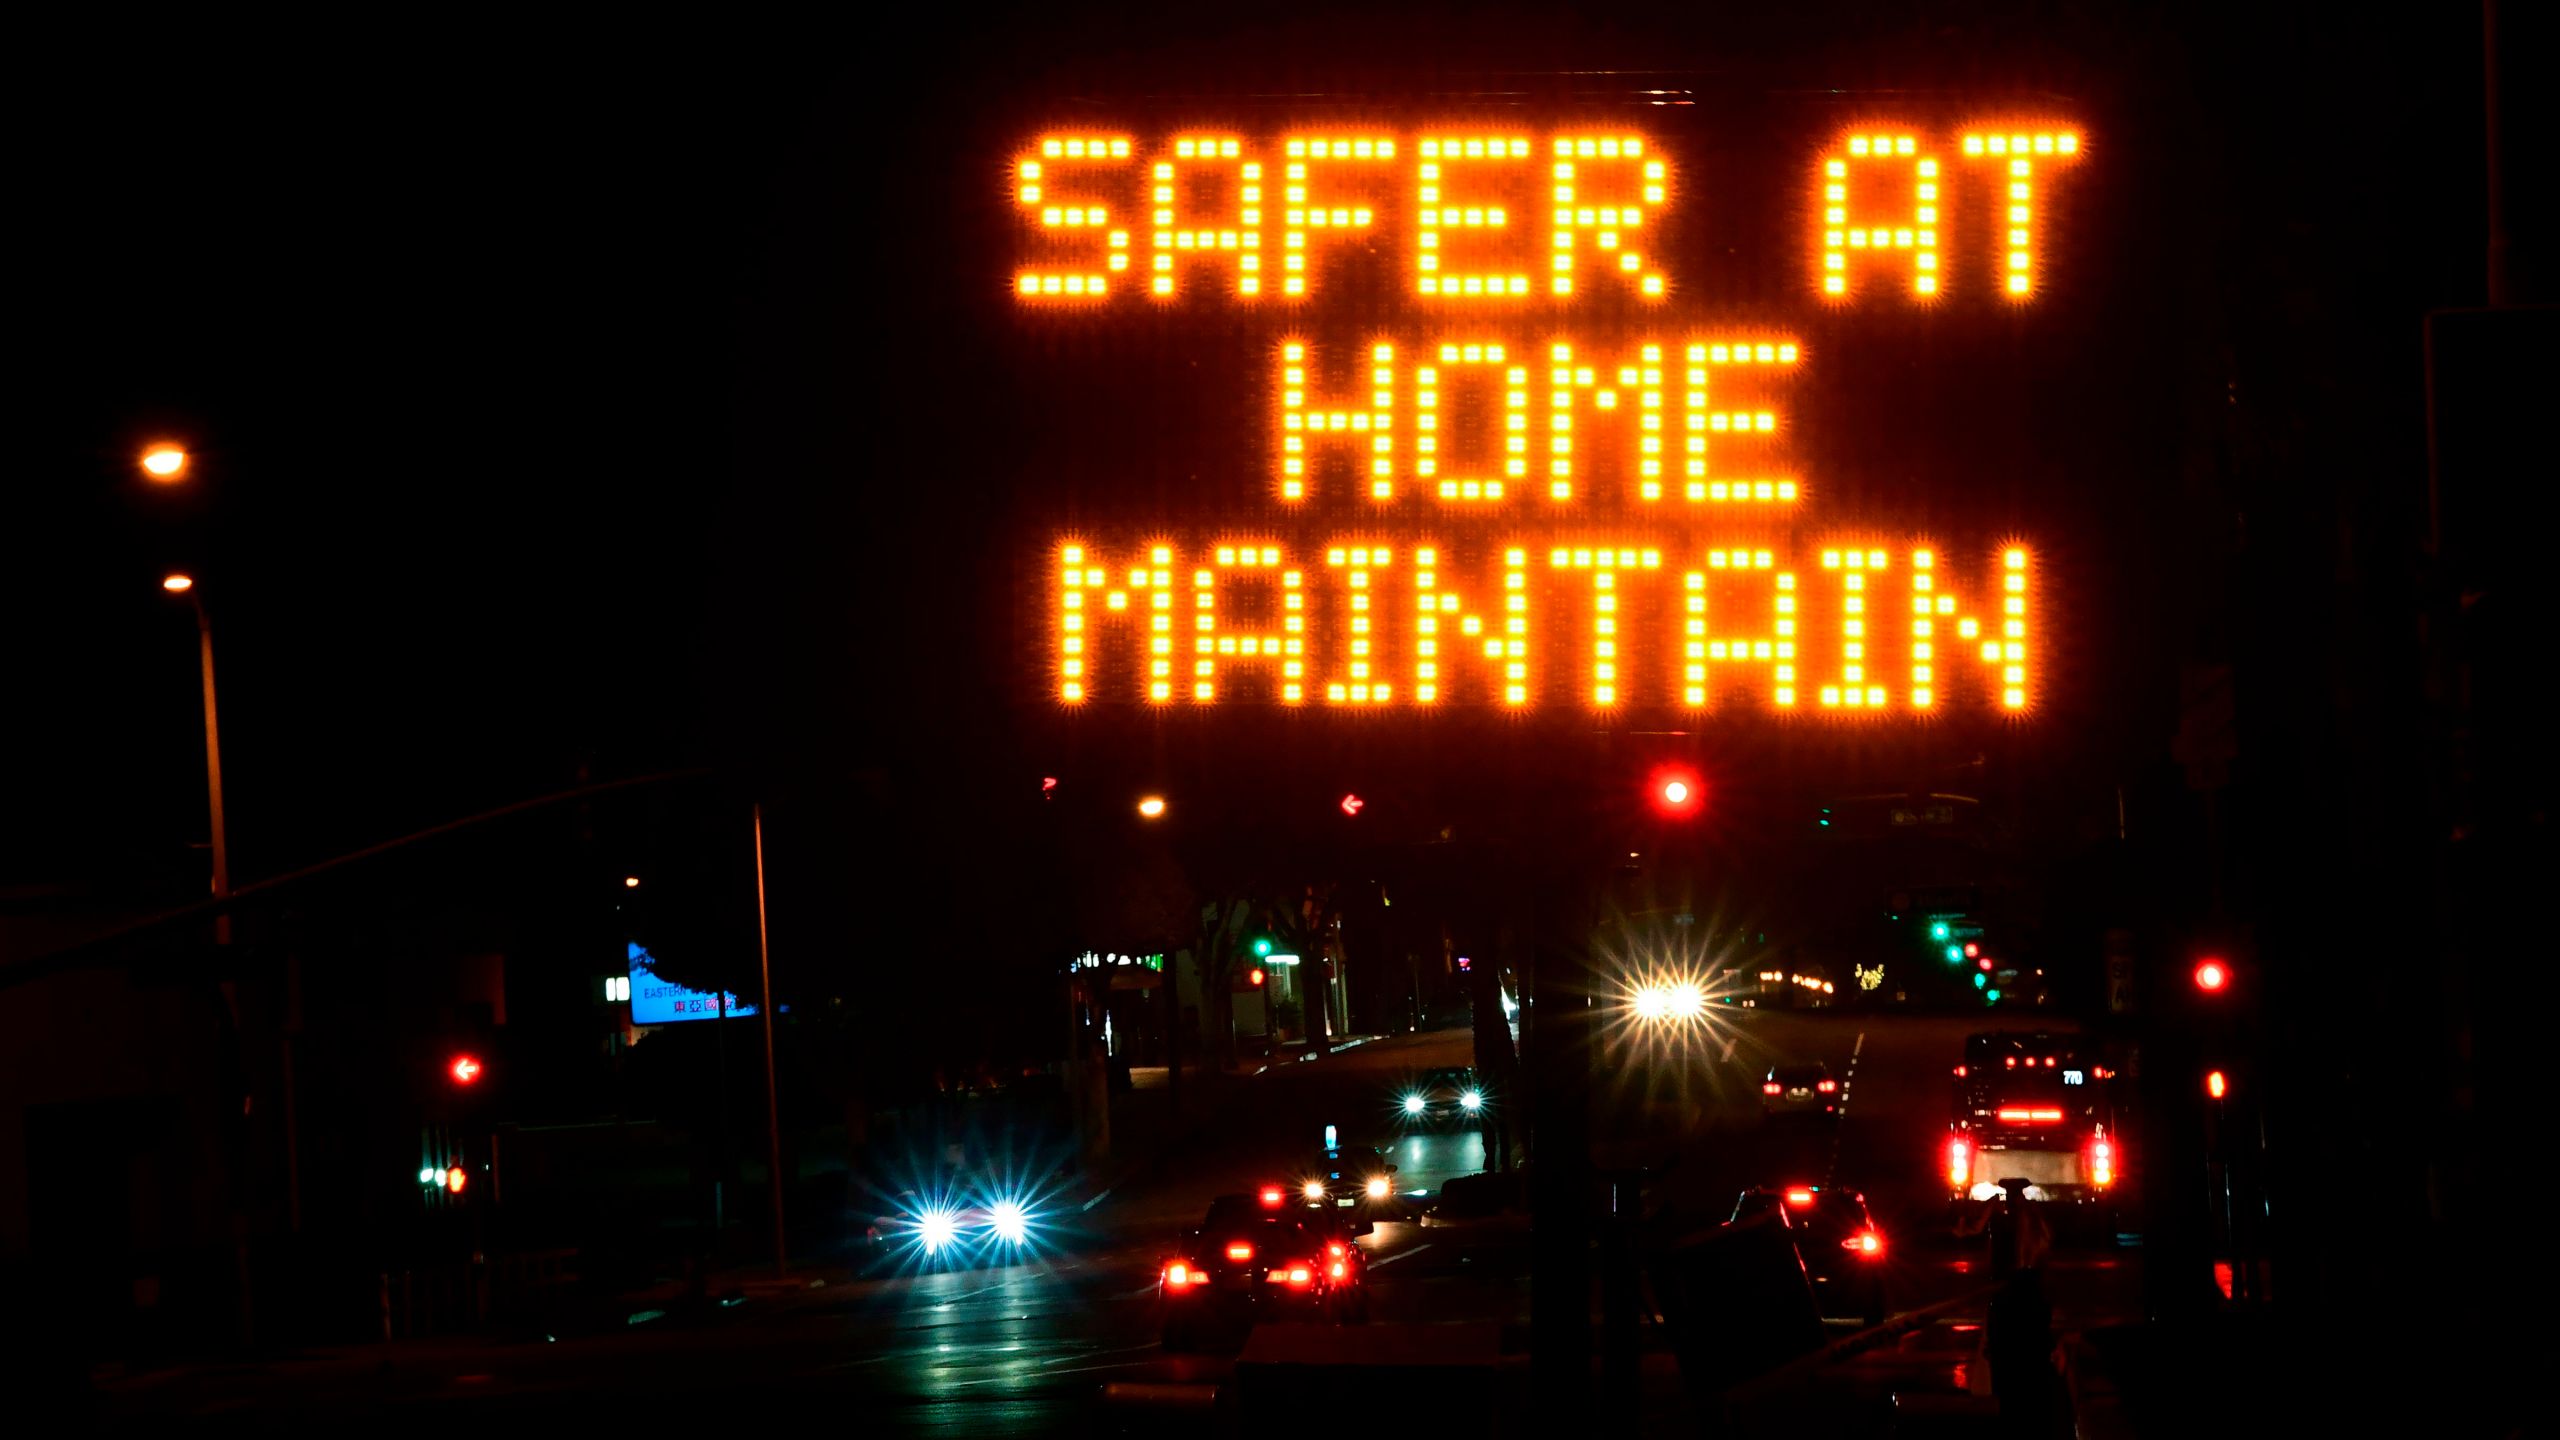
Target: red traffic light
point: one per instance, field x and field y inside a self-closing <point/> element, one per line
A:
<point x="2212" y="976"/>
<point x="1351" y="804"/>
<point x="465" y="1070"/>
<point x="1257" y="975"/>
<point x="1677" y="792"/>
<point x="1972" y="951"/>
<point x="2215" y="1085"/>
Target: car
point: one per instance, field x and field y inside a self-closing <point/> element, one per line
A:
<point x="1842" y="1248"/>
<point x="1261" y="1256"/>
<point x="961" y="1223"/>
<point x="1362" y="1181"/>
<point x="1799" y="1090"/>
<point x="1448" y="1096"/>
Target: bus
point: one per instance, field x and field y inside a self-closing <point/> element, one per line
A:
<point x="2032" y="1106"/>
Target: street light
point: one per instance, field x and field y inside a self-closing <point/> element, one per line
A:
<point x="2211" y="976"/>
<point x="165" y="462"/>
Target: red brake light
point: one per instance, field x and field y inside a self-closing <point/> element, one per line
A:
<point x="1334" y="1249"/>
<point x="1769" y="1087"/>
<point x="1271" y="1196"/>
<point x="1340" y="1269"/>
<point x="1827" y="1086"/>
<point x="2013" y="1062"/>
<point x="1301" y="1275"/>
<point x="1799" y="1197"/>
<point x="1239" y="1251"/>
<point x="1959" y="1072"/>
<point x="1866" y="1243"/>
<point x="1177" y="1276"/>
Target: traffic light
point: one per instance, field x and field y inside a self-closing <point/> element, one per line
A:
<point x="1352" y="805"/>
<point x="1955" y="954"/>
<point x="465" y="1069"/>
<point x="1676" y="792"/>
<point x="1262" y="946"/>
<point x="1940" y="931"/>
<point x="2213" y="975"/>
<point x="2216" y="1084"/>
<point x="1257" y="977"/>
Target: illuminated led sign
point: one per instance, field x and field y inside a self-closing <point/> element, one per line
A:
<point x="1528" y="480"/>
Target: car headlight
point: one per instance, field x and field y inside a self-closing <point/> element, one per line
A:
<point x="1413" y="1104"/>
<point x="1379" y="1189"/>
<point x="1313" y="1189"/>
<point x="1472" y="1100"/>
<point x="1010" y="1221"/>
<point x="935" y="1229"/>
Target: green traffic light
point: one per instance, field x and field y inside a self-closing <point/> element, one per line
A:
<point x="1938" y="931"/>
<point x="1991" y="995"/>
<point x="1980" y="980"/>
<point x="1955" y="954"/>
<point x="1261" y="947"/>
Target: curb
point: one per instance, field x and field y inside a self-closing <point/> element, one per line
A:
<point x="2097" y="1403"/>
<point x="1840" y="1349"/>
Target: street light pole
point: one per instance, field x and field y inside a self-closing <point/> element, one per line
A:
<point x="772" y="1102"/>
<point x="184" y="585"/>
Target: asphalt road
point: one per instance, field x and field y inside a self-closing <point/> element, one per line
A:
<point x="1029" y="1348"/>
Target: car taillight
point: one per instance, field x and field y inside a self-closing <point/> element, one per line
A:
<point x="1867" y="1243"/>
<point x="1302" y="1275"/>
<point x="1334" y="1249"/>
<point x="1177" y="1276"/>
<point x="1827" y="1086"/>
<point x="1959" y="1072"/>
<point x="2026" y="1115"/>
<point x="1270" y="1195"/>
<point x="1800" y="1197"/>
<point x="1769" y="1087"/>
<point x="1340" y="1270"/>
<point x="1239" y="1251"/>
<point x="1959" y="1162"/>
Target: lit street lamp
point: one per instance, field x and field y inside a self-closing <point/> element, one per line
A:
<point x="164" y="463"/>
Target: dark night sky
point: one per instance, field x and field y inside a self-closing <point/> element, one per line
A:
<point x="615" y="396"/>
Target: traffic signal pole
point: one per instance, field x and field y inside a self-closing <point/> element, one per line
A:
<point x="1559" y="1044"/>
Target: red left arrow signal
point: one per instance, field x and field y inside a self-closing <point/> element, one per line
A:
<point x="1351" y="804"/>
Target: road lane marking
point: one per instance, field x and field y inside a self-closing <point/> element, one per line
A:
<point x="1019" y="1379"/>
<point x="1399" y="1255"/>
<point x="1092" y="1354"/>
